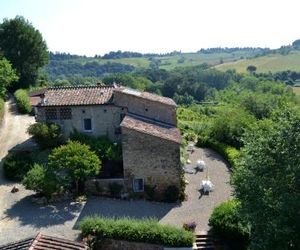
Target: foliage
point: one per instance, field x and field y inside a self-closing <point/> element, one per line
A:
<point x="41" y="180"/>
<point x="146" y="230"/>
<point x="267" y="180"/>
<point x="77" y="160"/>
<point x="7" y="76"/>
<point x="251" y="69"/>
<point x="227" y="224"/>
<point x="190" y="226"/>
<point x="229" y="126"/>
<point x="171" y="194"/>
<point x="229" y="153"/>
<point x="102" y="146"/>
<point x="150" y="192"/>
<point x="115" y="189"/>
<point x="16" y="165"/>
<point x="46" y="135"/>
<point x="22" y="101"/>
<point x="24" y="47"/>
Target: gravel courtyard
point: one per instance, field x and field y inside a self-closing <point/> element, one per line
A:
<point x="20" y="218"/>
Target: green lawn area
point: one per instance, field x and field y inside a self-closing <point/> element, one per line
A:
<point x="268" y="63"/>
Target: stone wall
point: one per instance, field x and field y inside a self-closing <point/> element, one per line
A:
<point x="105" y="120"/>
<point x="139" y="106"/>
<point x="155" y="160"/>
<point x="126" y="245"/>
<point x="101" y="186"/>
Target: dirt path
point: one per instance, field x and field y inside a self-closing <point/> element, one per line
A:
<point x="12" y="132"/>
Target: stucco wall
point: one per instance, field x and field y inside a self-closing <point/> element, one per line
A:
<point x="105" y="119"/>
<point x="155" y="160"/>
<point x="139" y="106"/>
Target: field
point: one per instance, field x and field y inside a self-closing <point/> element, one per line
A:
<point x="269" y="63"/>
<point x="170" y="62"/>
<point x="296" y="90"/>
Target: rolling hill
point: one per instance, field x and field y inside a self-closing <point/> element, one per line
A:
<point x="269" y="63"/>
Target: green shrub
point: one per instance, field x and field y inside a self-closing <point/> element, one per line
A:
<point x="102" y="146"/>
<point x="41" y="180"/>
<point x="146" y="230"/>
<point x="76" y="160"/>
<point x="22" y="101"/>
<point x="46" y="135"/>
<point x="16" y="165"/>
<point x="115" y="189"/>
<point x="227" y="224"/>
<point x="150" y="192"/>
<point x="229" y="153"/>
<point x="171" y="194"/>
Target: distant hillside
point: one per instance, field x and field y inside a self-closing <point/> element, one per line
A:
<point x="64" y="65"/>
<point x="273" y="62"/>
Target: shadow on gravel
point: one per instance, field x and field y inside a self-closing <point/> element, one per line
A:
<point x="120" y="208"/>
<point x="29" y="213"/>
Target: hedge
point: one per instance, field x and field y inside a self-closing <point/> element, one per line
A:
<point x="145" y="230"/>
<point x="227" y="224"/>
<point x="22" y="101"/>
<point x="229" y="153"/>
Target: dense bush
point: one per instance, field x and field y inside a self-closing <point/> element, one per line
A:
<point x="46" y="135"/>
<point x="102" y="146"/>
<point x="115" y="189"/>
<point x="229" y="153"/>
<point x="22" y="101"/>
<point x="16" y="165"/>
<point x="228" y="224"/>
<point x="76" y="160"/>
<point x="41" y="180"/>
<point x="146" y="230"/>
<point x="171" y="194"/>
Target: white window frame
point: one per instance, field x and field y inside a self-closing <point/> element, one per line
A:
<point x="134" y="187"/>
<point x="87" y="130"/>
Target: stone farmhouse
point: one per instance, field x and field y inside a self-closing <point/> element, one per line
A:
<point x="144" y="124"/>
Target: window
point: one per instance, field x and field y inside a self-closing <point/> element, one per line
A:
<point x="138" y="185"/>
<point x="65" y="113"/>
<point x="51" y="114"/>
<point x="87" y="124"/>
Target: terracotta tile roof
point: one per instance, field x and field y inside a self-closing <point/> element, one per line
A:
<point x="20" y="245"/>
<point x="37" y="92"/>
<point x="77" y="95"/>
<point x="44" y="242"/>
<point x="151" y="127"/>
<point x="146" y="95"/>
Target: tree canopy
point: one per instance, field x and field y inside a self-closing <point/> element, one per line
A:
<point x="77" y="159"/>
<point x="24" y="47"/>
<point x="7" y="76"/>
<point x="267" y="181"/>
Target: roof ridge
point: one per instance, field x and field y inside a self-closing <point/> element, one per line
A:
<point x="80" y="87"/>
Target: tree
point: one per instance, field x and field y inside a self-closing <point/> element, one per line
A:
<point x="296" y="43"/>
<point x="251" y="69"/>
<point x="46" y="135"/>
<point x="41" y="180"/>
<point x="7" y="76"/>
<point x="77" y="159"/>
<point x="267" y="181"/>
<point x="24" y="47"/>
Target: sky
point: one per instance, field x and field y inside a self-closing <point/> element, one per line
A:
<point x="89" y="27"/>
